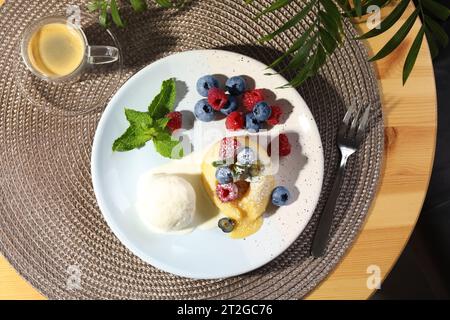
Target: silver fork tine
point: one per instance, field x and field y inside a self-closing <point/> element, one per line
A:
<point x="346" y="121"/>
<point x="363" y="123"/>
<point x="348" y="115"/>
<point x="355" y="119"/>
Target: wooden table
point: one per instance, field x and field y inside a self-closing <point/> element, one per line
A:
<point x="410" y="119"/>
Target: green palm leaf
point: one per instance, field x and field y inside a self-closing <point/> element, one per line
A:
<point x="164" y="3"/>
<point x="304" y="73"/>
<point x="139" y="5"/>
<point x="366" y="5"/>
<point x="412" y="54"/>
<point x="333" y="12"/>
<point x="438" y="32"/>
<point x="273" y="7"/>
<point x="103" y="17"/>
<point x="321" y="57"/>
<point x="327" y="40"/>
<point x="397" y="38"/>
<point x="295" y="46"/>
<point x="345" y="6"/>
<point x="438" y="10"/>
<point x="330" y="25"/>
<point x="434" y="49"/>
<point x="331" y="9"/>
<point x="292" y="22"/>
<point x="301" y="56"/>
<point x="388" y="22"/>
<point x="115" y="14"/>
<point x="358" y="7"/>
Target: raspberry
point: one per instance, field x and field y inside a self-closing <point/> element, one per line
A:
<point x="227" y="192"/>
<point x="274" y="118"/>
<point x="175" y="120"/>
<point x="228" y="148"/>
<point x="217" y="98"/>
<point x="284" y="146"/>
<point x="235" y="121"/>
<point x="251" y="98"/>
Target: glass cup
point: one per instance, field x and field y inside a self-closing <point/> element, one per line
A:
<point x="93" y="55"/>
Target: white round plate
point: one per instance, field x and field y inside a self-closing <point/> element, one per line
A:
<point x="204" y="254"/>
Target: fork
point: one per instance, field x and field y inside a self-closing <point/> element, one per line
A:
<point x="349" y="138"/>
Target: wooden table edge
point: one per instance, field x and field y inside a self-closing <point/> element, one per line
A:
<point x="431" y="163"/>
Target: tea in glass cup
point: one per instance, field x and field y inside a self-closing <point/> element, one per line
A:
<point x="57" y="50"/>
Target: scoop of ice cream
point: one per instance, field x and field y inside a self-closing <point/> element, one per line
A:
<point x="166" y="203"/>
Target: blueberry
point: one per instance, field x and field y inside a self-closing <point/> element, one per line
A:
<point x="203" y="111"/>
<point x="280" y="196"/>
<point x="205" y="83"/>
<point x="226" y="224"/>
<point x="246" y="156"/>
<point x="224" y="175"/>
<point x="262" y="111"/>
<point x="235" y="86"/>
<point x="231" y="106"/>
<point x="251" y="123"/>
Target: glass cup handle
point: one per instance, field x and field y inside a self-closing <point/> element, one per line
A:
<point x="102" y="54"/>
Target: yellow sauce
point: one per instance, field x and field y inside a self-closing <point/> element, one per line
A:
<point x="56" y="49"/>
<point x="249" y="208"/>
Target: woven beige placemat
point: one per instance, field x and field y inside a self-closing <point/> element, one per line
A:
<point x="50" y="225"/>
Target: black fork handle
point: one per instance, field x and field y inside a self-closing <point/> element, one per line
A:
<point x="323" y="230"/>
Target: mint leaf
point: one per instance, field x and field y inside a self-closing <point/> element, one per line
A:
<point x="163" y="136"/>
<point x="164" y="102"/>
<point x="139" y="118"/>
<point x="133" y="138"/>
<point x="162" y="123"/>
<point x="151" y="125"/>
<point x="167" y="147"/>
<point x="139" y="132"/>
